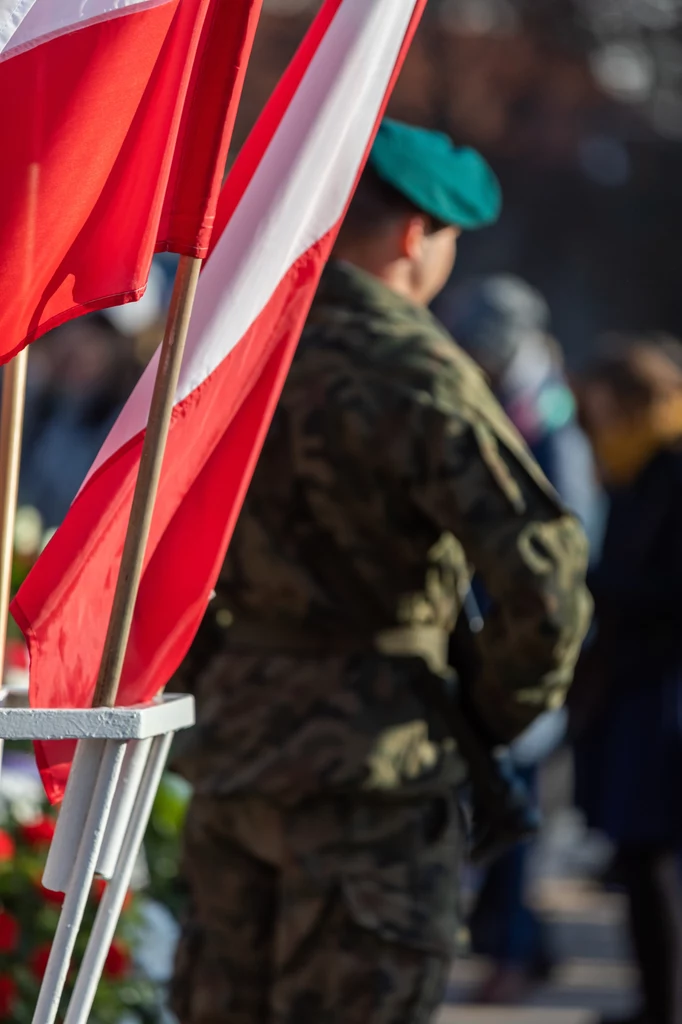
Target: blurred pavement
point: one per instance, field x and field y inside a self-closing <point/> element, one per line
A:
<point x="595" y="975"/>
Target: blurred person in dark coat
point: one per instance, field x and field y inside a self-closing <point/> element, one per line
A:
<point x="626" y="708"/>
<point x="80" y="375"/>
<point x="504" y="323"/>
<point x="83" y="377"/>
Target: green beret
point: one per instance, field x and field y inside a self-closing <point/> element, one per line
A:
<point x="451" y="183"/>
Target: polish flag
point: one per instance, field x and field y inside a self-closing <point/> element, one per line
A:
<point x="116" y="118"/>
<point x="279" y="215"/>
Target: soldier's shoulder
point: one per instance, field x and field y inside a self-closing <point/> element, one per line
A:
<point x="458" y="391"/>
<point x="439" y="357"/>
<point x="410" y="353"/>
<point x="440" y="374"/>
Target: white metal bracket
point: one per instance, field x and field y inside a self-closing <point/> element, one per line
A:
<point x="120" y="757"/>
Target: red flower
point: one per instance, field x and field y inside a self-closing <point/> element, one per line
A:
<point x="40" y="832"/>
<point x="49" y="895"/>
<point x="8" y="995"/>
<point x="38" y="960"/>
<point x="7" y="847"/>
<point x="117" y="963"/>
<point x="17" y="654"/>
<point x="99" y="887"/>
<point x="9" y="932"/>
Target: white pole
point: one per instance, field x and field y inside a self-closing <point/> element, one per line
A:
<point x="80" y="884"/>
<point x="73" y="814"/>
<point x="112" y="901"/>
<point x="132" y="773"/>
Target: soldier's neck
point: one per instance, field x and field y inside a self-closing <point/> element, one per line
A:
<point x="395" y="274"/>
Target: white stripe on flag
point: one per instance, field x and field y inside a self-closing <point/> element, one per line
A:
<point x="26" y="23"/>
<point x="297" y="194"/>
<point x="12" y="13"/>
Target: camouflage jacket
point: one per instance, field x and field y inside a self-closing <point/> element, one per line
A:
<point x="389" y="473"/>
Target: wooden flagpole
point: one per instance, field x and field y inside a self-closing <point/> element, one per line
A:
<point x="11" y="430"/>
<point x="151" y="461"/>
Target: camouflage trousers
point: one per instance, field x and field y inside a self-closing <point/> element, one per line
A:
<point x="334" y="912"/>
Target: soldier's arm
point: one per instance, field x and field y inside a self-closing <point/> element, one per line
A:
<point x="483" y="485"/>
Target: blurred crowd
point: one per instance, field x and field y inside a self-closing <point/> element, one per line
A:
<point x="610" y="440"/>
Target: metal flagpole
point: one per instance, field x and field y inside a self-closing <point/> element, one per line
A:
<point x="118" y="632"/>
<point x="112" y="901"/>
<point x="111" y="754"/>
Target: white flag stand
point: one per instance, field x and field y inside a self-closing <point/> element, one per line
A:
<point x="115" y="776"/>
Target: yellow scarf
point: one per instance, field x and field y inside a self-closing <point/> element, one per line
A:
<point x="623" y="451"/>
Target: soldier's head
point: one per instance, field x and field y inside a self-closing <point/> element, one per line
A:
<point x="417" y="195"/>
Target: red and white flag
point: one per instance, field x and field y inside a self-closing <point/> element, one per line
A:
<point x="116" y="118"/>
<point x="280" y="212"/>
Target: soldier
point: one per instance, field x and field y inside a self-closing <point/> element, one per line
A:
<point x="324" y="837"/>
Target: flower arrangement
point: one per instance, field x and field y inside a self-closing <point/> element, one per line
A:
<point x="28" y="918"/>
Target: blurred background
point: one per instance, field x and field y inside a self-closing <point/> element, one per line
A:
<point x="578" y="106"/>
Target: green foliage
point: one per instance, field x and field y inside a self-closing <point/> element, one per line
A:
<point x="162" y="843"/>
<point x="28" y="919"/>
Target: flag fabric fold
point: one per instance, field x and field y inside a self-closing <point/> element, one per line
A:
<point x="115" y="135"/>
<point x="277" y="220"/>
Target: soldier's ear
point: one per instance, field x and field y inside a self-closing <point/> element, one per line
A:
<point x="412" y="237"/>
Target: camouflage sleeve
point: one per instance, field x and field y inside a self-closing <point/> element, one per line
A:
<point x="483" y="485"/>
